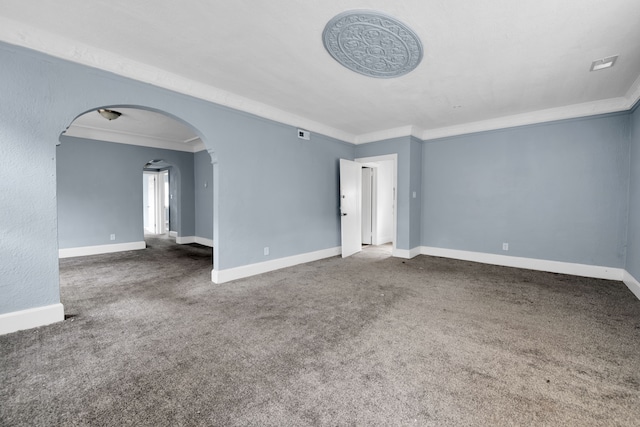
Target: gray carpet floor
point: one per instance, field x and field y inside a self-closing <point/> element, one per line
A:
<point x="369" y="340"/>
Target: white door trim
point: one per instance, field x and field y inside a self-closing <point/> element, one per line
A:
<point x="372" y="161"/>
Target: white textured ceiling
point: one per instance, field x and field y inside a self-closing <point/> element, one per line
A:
<point x="486" y="64"/>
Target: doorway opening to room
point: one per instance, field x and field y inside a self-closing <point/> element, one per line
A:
<point x="368" y="204"/>
<point x="151" y="191"/>
<point x="155" y="201"/>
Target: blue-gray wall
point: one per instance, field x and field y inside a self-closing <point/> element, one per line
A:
<point x="408" y="171"/>
<point x="203" y="181"/>
<point x="278" y="191"/>
<point x="99" y="189"/>
<point x="270" y="188"/>
<point x="415" y="188"/>
<point x="633" y="229"/>
<point x="554" y="191"/>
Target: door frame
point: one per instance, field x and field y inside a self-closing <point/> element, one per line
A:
<point x="373" y="162"/>
<point x="159" y="198"/>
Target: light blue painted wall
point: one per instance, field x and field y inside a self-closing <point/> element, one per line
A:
<point x="633" y="229"/>
<point x="555" y="191"/>
<point x="28" y="230"/>
<point x="415" y="185"/>
<point x="270" y="188"/>
<point x="280" y="191"/>
<point x="203" y="192"/>
<point x="99" y="187"/>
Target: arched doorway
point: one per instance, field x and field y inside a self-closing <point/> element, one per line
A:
<point x="101" y="197"/>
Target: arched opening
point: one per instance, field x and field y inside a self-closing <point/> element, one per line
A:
<point x="127" y="174"/>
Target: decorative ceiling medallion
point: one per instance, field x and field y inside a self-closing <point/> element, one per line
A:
<point x="372" y="43"/>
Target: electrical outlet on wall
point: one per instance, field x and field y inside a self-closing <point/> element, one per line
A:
<point x="266" y="250"/>
<point x="505" y="246"/>
<point x="112" y="237"/>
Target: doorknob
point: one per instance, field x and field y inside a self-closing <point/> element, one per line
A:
<point x="344" y="214"/>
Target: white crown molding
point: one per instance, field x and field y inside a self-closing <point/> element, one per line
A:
<point x="88" y="132"/>
<point x="612" y="105"/>
<point x="633" y="94"/>
<point x="19" y="34"/>
<point x="398" y="132"/>
<point x="198" y="146"/>
<point x="32" y="38"/>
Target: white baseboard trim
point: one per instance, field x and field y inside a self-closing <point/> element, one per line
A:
<point x="223" y="276"/>
<point x="204" y="241"/>
<point x="584" y="270"/>
<point x="31" y="318"/>
<point x="383" y="240"/>
<point x="100" y="249"/>
<point x="185" y="240"/>
<point x="632" y="283"/>
<point x="173" y="234"/>
<point x="407" y="253"/>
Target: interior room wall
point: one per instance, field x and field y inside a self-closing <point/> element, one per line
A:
<point x="203" y="192"/>
<point x="401" y="146"/>
<point x="271" y="188"/>
<point x="415" y="193"/>
<point x="283" y="193"/>
<point x="99" y="189"/>
<point x="633" y="229"/>
<point x="554" y="191"/>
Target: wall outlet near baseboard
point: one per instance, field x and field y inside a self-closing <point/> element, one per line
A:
<point x="112" y="237"/>
<point x="266" y="250"/>
<point x="505" y="246"/>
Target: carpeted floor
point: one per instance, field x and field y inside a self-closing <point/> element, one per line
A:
<point x="370" y="340"/>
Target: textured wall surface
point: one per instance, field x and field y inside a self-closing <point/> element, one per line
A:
<point x="279" y="191"/>
<point x="99" y="188"/>
<point x="203" y="194"/>
<point x="633" y="228"/>
<point x="28" y="234"/>
<point x="555" y="191"/>
<point x="272" y="189"/>
<point x="415" y="186"/>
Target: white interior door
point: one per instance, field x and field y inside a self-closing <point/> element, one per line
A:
<point x="149" y="202"/>
<point x="350" y="207"/>
<point x="155" y="201"/>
